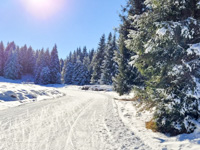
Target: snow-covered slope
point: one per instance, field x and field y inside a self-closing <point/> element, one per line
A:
<point x="17" y="92"/>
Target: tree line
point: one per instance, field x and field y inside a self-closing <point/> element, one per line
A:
<point x="43" y="65"/>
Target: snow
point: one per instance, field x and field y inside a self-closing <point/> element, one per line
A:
<point x="194" y="49"/>
<point x="82" y="119"/>
<point x="134" y="118"/>
<point x="198" y="5"/>
<point x="162" y="31"/>
<point x="17" y="92"/>
<point x="97" y="87"/>
<point x="177" y="69"/>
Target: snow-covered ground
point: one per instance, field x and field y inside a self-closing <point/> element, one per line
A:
<point x="82" y="120"/>
<point x="18" y="92"/>
<point x="135" y="121"/>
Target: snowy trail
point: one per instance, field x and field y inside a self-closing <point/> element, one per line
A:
<point x="81" y="120"/>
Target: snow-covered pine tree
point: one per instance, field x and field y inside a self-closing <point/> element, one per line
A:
<point x="31" y="61"/>
<point x="8" y="50"/>
<point x="12" y="69"/>
<point x="167" y="44"/>
<point x="45" y="76"/>
<point x="68" y="72"/>
<point x="91" y="54"/>
<point x="108" y="66"/>
<point x="23" y="58"/>
<point x="80" y="74"/>
<point x="55" y="67"/>
<point x="1" y="59"/>
<point x="39" y="66"/>
<point x="84" y="53"/>
<point x="47" y="58"/>
<point x="97" y="61"/>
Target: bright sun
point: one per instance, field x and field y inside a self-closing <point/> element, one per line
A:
<point x="43" y="9"/>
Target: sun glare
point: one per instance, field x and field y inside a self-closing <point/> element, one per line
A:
<point x="43" y="9"/>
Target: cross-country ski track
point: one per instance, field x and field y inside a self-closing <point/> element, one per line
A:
<point x="81" y="120"/>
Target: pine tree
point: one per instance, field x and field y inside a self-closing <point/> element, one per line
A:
<point x="166" y="43"/>
<point x="98" y="61"/>
<point x="47" y="58"/>
<point x="45" y="76"/>
<point x="12" y="69"/>
<point x="31" y="61"/>
<point x="55" y="67"/>
<point x="108" y="67"/>
<point x="68" y="72"/>
<point x="39" y="66"/>
<point x="1" y="59"/>
<point x="127" y="76"/>
<point x="8" y="50"/>
<point x="80" y="74"/>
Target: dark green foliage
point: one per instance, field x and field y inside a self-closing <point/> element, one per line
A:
<point x="168" y="63"/>
<point x="1" y="59"/>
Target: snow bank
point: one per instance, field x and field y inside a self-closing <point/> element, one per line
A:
<point x="131" y="114"/>
<point x="97" y="87"/>
<point x="15" y="94"/>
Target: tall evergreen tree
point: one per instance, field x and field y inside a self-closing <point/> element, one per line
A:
<point x="68" y="72"/>
<point x="12" y="69"/>
<point x="55" y="67"/>
<point x="1" y="59"/>
<point x="45" y="76"/>
<point x="108" y="67"/>
<point x="39" y="66"/>
<point x="127" y="75"/>
<point x="98" y="61"/>
<point x="31" y="61"/>
<point x="80" y="74"/>
<point x="8" y="50"/>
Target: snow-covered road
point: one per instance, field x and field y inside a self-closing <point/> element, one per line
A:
<point x="82" y="120"/>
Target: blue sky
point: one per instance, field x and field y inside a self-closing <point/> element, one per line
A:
<point x="78" y="23"/>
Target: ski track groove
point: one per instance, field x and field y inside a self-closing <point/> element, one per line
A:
<point x="75" y="122"/>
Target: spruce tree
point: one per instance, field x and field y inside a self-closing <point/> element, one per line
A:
<point x="167" y="46"/>
<point x="98" y="61"/>
<point x="8" y="50"/>
<point x="45" y="76"/>
<point x="55" y="67"/>
<point x="127" y="76"/>
<point x="47" y="58"/>
<point x="1" y="59"/>
<point x="80" y="74"/>
<point x="31" y="61"/>
<point x="39" y="66"/>
<point x="12" y="69"/>
<point x="68" y="72"/>
<point x="108" y="66"/>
